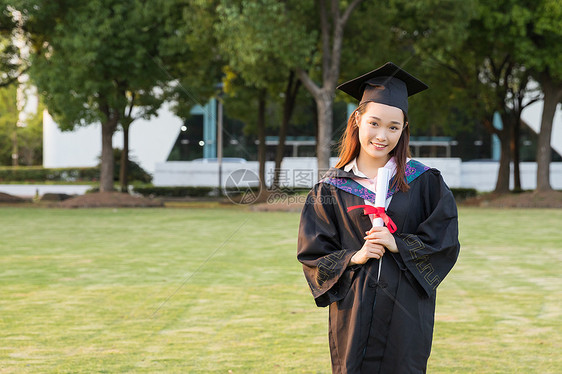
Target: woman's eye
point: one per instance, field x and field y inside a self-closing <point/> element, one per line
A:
<point x="374" y="124"/>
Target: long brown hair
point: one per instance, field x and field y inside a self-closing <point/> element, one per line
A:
<point x="349" y="147"/>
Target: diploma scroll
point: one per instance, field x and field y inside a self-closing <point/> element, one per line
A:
<point x="383" y="178"/>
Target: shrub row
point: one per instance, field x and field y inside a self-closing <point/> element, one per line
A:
<point x="181" y="191"/>
<point x="91" y="174"/>
<point x="461" y="194"/>
<point x="85" y="174"/>
<point x="39" y="173"/>
<point x="173" y="191"/>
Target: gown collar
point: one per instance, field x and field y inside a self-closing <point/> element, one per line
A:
<point x="345" y="180"/>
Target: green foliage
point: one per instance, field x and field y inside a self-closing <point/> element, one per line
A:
<point x="30" y="136"/>
<point x="95" y="55"/>
<point x="102" y="61"/>
<point x="190" y="55"/>
<point x="8" y="123"/>
<point x="370" y="41"/>
<point x="432" y="36"/>
<point x="262" y="40"/>
<point x="540" y="48"/>
<point x="20" y="133"/>
<point x="91" y="56"/>
<point x="41" y="174"/>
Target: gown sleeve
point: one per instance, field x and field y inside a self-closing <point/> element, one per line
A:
<point x="325" y="262"/>
<point x="430" y="252"/>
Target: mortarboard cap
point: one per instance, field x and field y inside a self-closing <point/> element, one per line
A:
<point x="388" y="85"/>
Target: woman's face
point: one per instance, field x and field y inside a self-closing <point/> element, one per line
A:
<point x="380" y="128"/>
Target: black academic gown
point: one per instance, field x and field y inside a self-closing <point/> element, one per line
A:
<point x="383" y="326"/>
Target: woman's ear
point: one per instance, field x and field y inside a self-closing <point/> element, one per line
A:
<point x="357" y="119"/>
<point x="406" y="124"/>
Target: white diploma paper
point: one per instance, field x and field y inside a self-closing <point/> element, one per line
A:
<point x="383" y="178"/>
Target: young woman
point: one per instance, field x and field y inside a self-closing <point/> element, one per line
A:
<point x="380" y="285"/>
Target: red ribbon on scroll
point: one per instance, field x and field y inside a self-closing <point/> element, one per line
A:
<point x="378" y="212"/>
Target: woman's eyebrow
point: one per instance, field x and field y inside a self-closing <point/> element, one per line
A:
<point x="378" y="119"/>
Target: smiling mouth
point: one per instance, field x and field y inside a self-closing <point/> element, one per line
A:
<point x="379" y="146"/>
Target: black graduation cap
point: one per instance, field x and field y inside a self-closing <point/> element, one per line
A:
<point x="389" y="84"/>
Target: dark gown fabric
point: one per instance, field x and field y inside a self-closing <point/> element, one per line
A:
<point x="383" y="326"/>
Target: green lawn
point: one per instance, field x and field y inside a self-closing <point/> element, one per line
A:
<point x="219" y="291"/>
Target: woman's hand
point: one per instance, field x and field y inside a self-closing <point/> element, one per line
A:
<point x="377" y="240"/>
<point x="381" y="235"/>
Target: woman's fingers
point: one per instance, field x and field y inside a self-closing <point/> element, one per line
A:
<point x="377" y="241"/>
<point x="384" y="238"/>
<point x="376" y="229"/>
<point x="378" y="235"/>
<point x="375" y="250"/>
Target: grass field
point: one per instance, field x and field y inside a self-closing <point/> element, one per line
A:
<point x="220" y="291"/>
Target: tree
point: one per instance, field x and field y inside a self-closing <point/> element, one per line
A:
<point x="541" y="51"/>
<point x="140" y="104"/>
<point x="191" y="55"/>
<point x="516" y="101"/>
<point x="332" y="25"/>
<point x="263" y="44"/>
<point x="477" y="49"/>
<point x="552" y="89"/>
<point x="91" y="58"/>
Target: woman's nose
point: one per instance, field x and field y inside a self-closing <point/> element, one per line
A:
<point x="380" y="135"/>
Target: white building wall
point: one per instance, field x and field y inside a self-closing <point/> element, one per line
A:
<point x="483" y="175"/>
<point x="297" y="171"/>
<point x="302" y="172"/>
<point x="78" y="148"/>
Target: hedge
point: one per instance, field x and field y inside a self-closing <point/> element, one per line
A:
<point x="39" y="173"/>
<point x="461" y="194"/>
<point x="76" y="174"/>
<point x="174" y="191"/>
<point x="91" y="174"/>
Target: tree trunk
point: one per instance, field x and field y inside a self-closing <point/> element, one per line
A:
<point x="511" y="127"/>
<point x="261" y="138"/>
<point x="127" y="120"/>
<point x="291" y="93"/>
<point x="502" y="184"/>
<point x="325" y="124"/>
<point x="124" y="167"/>
<point x="552" y="95"/>
<point x="332" y="30"/>
<point x="107" y="162"/>
<point x="514" y="145"/>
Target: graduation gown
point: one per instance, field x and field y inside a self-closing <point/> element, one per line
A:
<point x="383" y="326"/>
